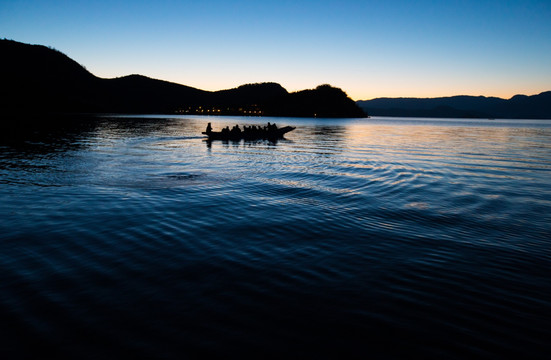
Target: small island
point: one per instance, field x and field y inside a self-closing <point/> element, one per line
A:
<point x="40" y="80"/>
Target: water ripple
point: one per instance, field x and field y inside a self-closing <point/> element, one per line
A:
<point x="372" y="238"/>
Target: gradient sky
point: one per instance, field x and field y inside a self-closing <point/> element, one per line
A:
<point x="368" y="48"/>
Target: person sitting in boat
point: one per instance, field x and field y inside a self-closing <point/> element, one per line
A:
<point x="236" y="130"/>
<point x="271" y="127"/>
<point x="209" y="129"/>
<point x="226" y="130"/>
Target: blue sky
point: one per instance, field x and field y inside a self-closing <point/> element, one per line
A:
<point x="368" y="48"/>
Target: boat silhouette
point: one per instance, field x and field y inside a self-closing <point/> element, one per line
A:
<point x="248" y="133"/>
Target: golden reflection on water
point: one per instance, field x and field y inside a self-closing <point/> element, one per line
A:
<point x="481" y="144"/>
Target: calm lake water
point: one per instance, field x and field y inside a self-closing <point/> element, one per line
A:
<point x="368" y="238"/>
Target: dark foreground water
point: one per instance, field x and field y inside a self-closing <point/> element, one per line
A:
<point x="373" y="238"/>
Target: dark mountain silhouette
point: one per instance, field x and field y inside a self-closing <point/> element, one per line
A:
<point x="518" y="107"/>
<point x="38" y="80"/>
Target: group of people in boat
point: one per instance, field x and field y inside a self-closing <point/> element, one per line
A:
<point x="247" y="130"/>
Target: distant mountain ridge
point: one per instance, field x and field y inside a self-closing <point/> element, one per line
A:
<point x="518" y="107"/>
<point x="38" y="79"/>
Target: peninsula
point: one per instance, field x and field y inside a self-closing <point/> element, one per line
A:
<point x="40" y="80"/>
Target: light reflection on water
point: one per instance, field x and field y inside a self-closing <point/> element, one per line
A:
<point x="365" y="237"/>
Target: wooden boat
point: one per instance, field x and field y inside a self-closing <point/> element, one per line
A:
<point x="258" y="134"/>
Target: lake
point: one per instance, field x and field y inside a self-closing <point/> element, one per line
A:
<point x="132" y="236"/>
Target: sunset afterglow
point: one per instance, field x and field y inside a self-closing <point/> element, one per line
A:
<point x="369" y="49"/>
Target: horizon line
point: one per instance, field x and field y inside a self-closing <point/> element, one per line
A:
<point x="292" y="89"/>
